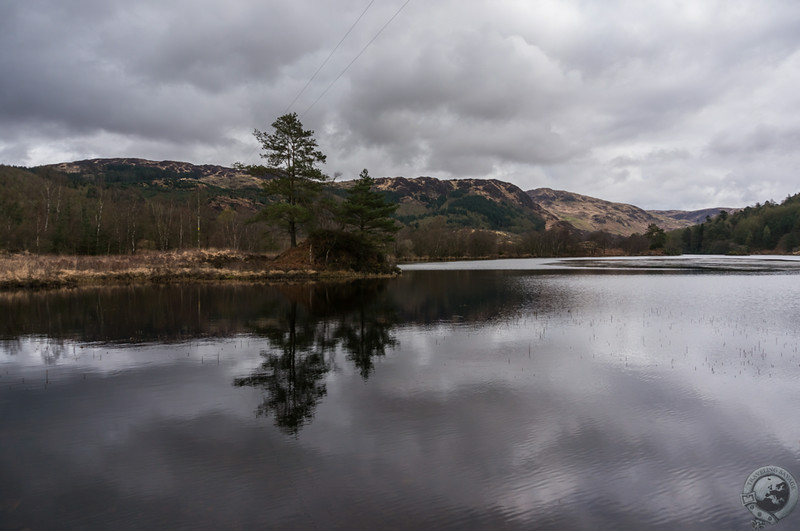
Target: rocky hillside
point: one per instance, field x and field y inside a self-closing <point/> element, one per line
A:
<point x="693" y="217"/>
<point x="591" y="214"/>
<point x="475" y="203"/>
<point x="160" y="171"/>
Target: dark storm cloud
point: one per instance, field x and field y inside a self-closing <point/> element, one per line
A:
<point x="541" y="94"/>
<point x="139" y="68"/>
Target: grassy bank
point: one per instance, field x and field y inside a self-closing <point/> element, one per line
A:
<point x="31" y="271"/>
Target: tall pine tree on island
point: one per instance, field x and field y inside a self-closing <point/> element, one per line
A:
<point x="369" y="217"/>
<point x="293" y="157"/>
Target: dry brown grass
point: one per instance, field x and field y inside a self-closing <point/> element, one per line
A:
<point x="33" y="271"/>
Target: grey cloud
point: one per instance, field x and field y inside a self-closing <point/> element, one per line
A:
<point x="464" y="103"/>
<point x="759" y="140"/>
<point x="214" y="46"/>
<point x="656" y="156"/>
<point x="143" y="68"/>
<point x="492" y="77"/>
<point x="515" y="143"/>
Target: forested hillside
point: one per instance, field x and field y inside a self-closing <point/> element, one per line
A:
<point x="471" y="203"/>
<point x="122" y="208"/>
<point x="768" y="227"/>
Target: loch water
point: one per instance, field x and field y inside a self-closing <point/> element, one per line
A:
<point x="513" y="394"/>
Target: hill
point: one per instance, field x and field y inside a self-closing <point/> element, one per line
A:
<point x="693" y="217"/>
<point x="130" y="170"/>
<point x="469" y="203"/>
<point x="123" y="205"/>
<point x="474" y="203"/>
<point x="591" y="214"/>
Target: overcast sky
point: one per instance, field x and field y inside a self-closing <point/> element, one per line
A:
<point x="662" y="104"/>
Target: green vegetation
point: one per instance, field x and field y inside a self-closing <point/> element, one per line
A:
<point x="463" y="208"/>
<point x="656" y="236"/>
<point x="498" y="217"/>
<point x="368" y="214"/>
<point x="129" y="174"/>
<point x="45" y="211"/>
<point x="292" y="154"/>
<point x="770" y="227"/>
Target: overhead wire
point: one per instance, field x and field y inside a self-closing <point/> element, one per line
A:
<point x="321" y="66"/>
<point x="329" y="56"/>
<point x="360" y="53"/>
<point x="356" y="57"/>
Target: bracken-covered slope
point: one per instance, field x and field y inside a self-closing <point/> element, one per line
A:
<point x="474" y="203"/>
<point x="592" y="214"/>
<point x="693" y="217"/>
<point x="129" y="168"/>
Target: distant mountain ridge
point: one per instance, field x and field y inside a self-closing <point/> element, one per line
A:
<point x="476" y="203"/>
<point x="694" y="216"/>
<point x="592" y="214"/>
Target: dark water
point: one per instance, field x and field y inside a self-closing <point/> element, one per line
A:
<point x="518" y="395"/>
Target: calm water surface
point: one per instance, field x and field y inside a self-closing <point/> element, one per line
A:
<point x="582" y="394"/>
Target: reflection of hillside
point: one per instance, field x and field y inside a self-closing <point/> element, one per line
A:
<point x="134" y="313"/>
<point x="183" y="312"/>
<point x="432" y="296"/>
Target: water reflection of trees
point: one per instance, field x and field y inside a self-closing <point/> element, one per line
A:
<point x="291" y="376"/>
<point x="305" y="330"/>
<point x="132" y="314"/>
<point x="365" y="336"/>
<point x="147" y="313"/>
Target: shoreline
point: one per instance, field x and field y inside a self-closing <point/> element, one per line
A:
<point x="43" y="272"/>
<point x="24" y="271"/>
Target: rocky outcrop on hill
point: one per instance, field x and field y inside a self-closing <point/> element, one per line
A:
<point x="427" y="190"/>
<point x="219" y="176"/>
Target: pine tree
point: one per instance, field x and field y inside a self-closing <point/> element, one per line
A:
<point x="368" y="214"/>
<point x="292" y="155"/>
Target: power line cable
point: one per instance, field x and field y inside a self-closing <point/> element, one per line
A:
<point x="255" y="150"/>
<point x="356" y="57"/>
<point x="329" y="56"/>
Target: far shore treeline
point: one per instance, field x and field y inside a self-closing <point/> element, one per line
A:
<point x="123" y="206"/>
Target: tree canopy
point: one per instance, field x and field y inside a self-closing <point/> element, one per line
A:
<point x="293" y="159"/>
<point x="367" y="210"/>
<point x="769" y="227"/>
<point x="368" y="214"/>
